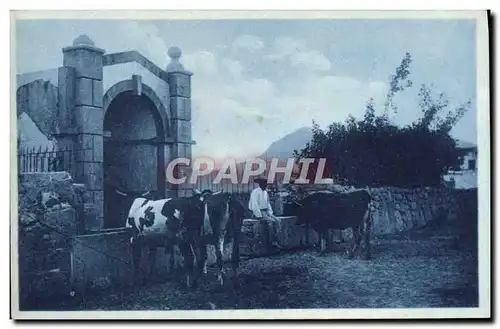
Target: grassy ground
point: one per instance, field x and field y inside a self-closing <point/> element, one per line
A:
<point x="431" y="267"/>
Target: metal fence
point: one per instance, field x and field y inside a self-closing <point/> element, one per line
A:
<point x="212" y="183"/>
<point x="50" y="160"/>
<point x="46" y="160"/>
<point x="208" y="182"/>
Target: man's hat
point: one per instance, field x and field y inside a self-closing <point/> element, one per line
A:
<point x="260" y="179"/>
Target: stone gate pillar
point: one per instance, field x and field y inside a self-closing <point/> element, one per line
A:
<point x="179" y="81"/>
<point x="86" y="63"/>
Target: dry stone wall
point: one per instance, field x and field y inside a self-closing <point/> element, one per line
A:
<point x="393" y="209"/>
<point x="51" y="211"/>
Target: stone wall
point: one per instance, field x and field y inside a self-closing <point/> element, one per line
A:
<point x="39" y="99"/>
<point x="393" y="209"/>
<point x="104" y="260"/>
<point x="52" y="210"/>
<point x="101" y="260"/>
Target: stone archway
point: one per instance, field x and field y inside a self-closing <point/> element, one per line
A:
<point x="135" y="127"/>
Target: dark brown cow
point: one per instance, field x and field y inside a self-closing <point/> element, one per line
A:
<point x="224" y="216"/>
<point x="324" y="211"/>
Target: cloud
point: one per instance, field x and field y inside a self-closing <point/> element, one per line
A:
<point x="202" y="62"/>
<point x="233" y="67"/>
<point x="238" y="114"/>
<point x="314" y="60"/>
<point x="47" y="38"/>
<point x="143" y="37"/>
<point x="255" y="91"/>
<point x="241" y="101"/>
<point x="378" y="89"/>
<point x="296" y="53"/>
<point x="284" y="47"/>
<point x="247" y="42"/>
<point x="333" y="82"/>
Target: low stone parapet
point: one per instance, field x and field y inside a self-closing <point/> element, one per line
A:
<point x="101" y="260"/>
<point x="104" y="259"/>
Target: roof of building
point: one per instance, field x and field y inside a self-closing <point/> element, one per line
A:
<point x="465" y="145"/>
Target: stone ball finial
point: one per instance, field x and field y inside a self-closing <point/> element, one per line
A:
<point x="174" y="53"/>
<point x="174" y="66"/>
<point x="83" y="40"/>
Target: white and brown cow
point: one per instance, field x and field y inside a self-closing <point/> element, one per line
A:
<point x="165" y="223"/>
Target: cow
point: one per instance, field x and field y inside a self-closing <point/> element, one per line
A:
<point x="165" y="223"/>
<point x="223" y="219"/>
<point x="335" y="210"/>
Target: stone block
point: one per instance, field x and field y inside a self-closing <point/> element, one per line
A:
<point x="62" y="223"/>
<point x="179" y="85"/>
<point x="108" y="262"/>
<point x="87" y="63"/>
<point x="66" y="99"/>
<point x="182" y="130"/>
<point x="410" y="220"/>
<point x="254" y="238"/>
<point x="97" y="90"/>
<point x="33" y="184"/>
<point x="77" y="172"/>
<point x="99" y="203"/>
<point x="347" y="235"/>
<point x="188" y="151"/>
<point x="98" y="148"/>
<point x="182" y="192"/>
<point x="291" y="235"/>
<point x="167" y="151"/>
<point x="181" y="150"/>
<point x="48" y="260"/>
<point x="136" y="84"/>
<point x="89" y="120"/>
<point x="30" y="234"/>
<point x="180" y="108"/>
<point x="398" y="221"/>
<point x="84" y="92"/>
<point x="226" y="253"/>
<point x="91" y="218"/>
<point x="43" y="286"/>
<point x="277" y="205"/>
<point x="92" y="172"/>
<point x="89" y="148"/>
<point x="381" y="223"/>
<point x="177" y="150"/>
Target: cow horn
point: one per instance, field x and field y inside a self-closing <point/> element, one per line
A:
<point x="298" y="204"/>
<point x="196" y="191"/>
<point x="219" y="192"/>
<point x="145" y="193"/>
<point x="120" y="192"/>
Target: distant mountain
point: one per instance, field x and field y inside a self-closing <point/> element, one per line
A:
<point x="283" y="148"/>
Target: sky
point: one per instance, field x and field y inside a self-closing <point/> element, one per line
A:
<point x="257" y="80"/>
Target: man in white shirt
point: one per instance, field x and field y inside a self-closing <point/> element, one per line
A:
<point x="261" y="209"/>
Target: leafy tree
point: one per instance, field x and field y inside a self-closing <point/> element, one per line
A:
<point x="375" y="152"/>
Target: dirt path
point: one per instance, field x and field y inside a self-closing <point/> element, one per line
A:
<point x="422" y="269"/>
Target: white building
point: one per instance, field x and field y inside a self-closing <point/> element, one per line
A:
<point x="465" y="175"/>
